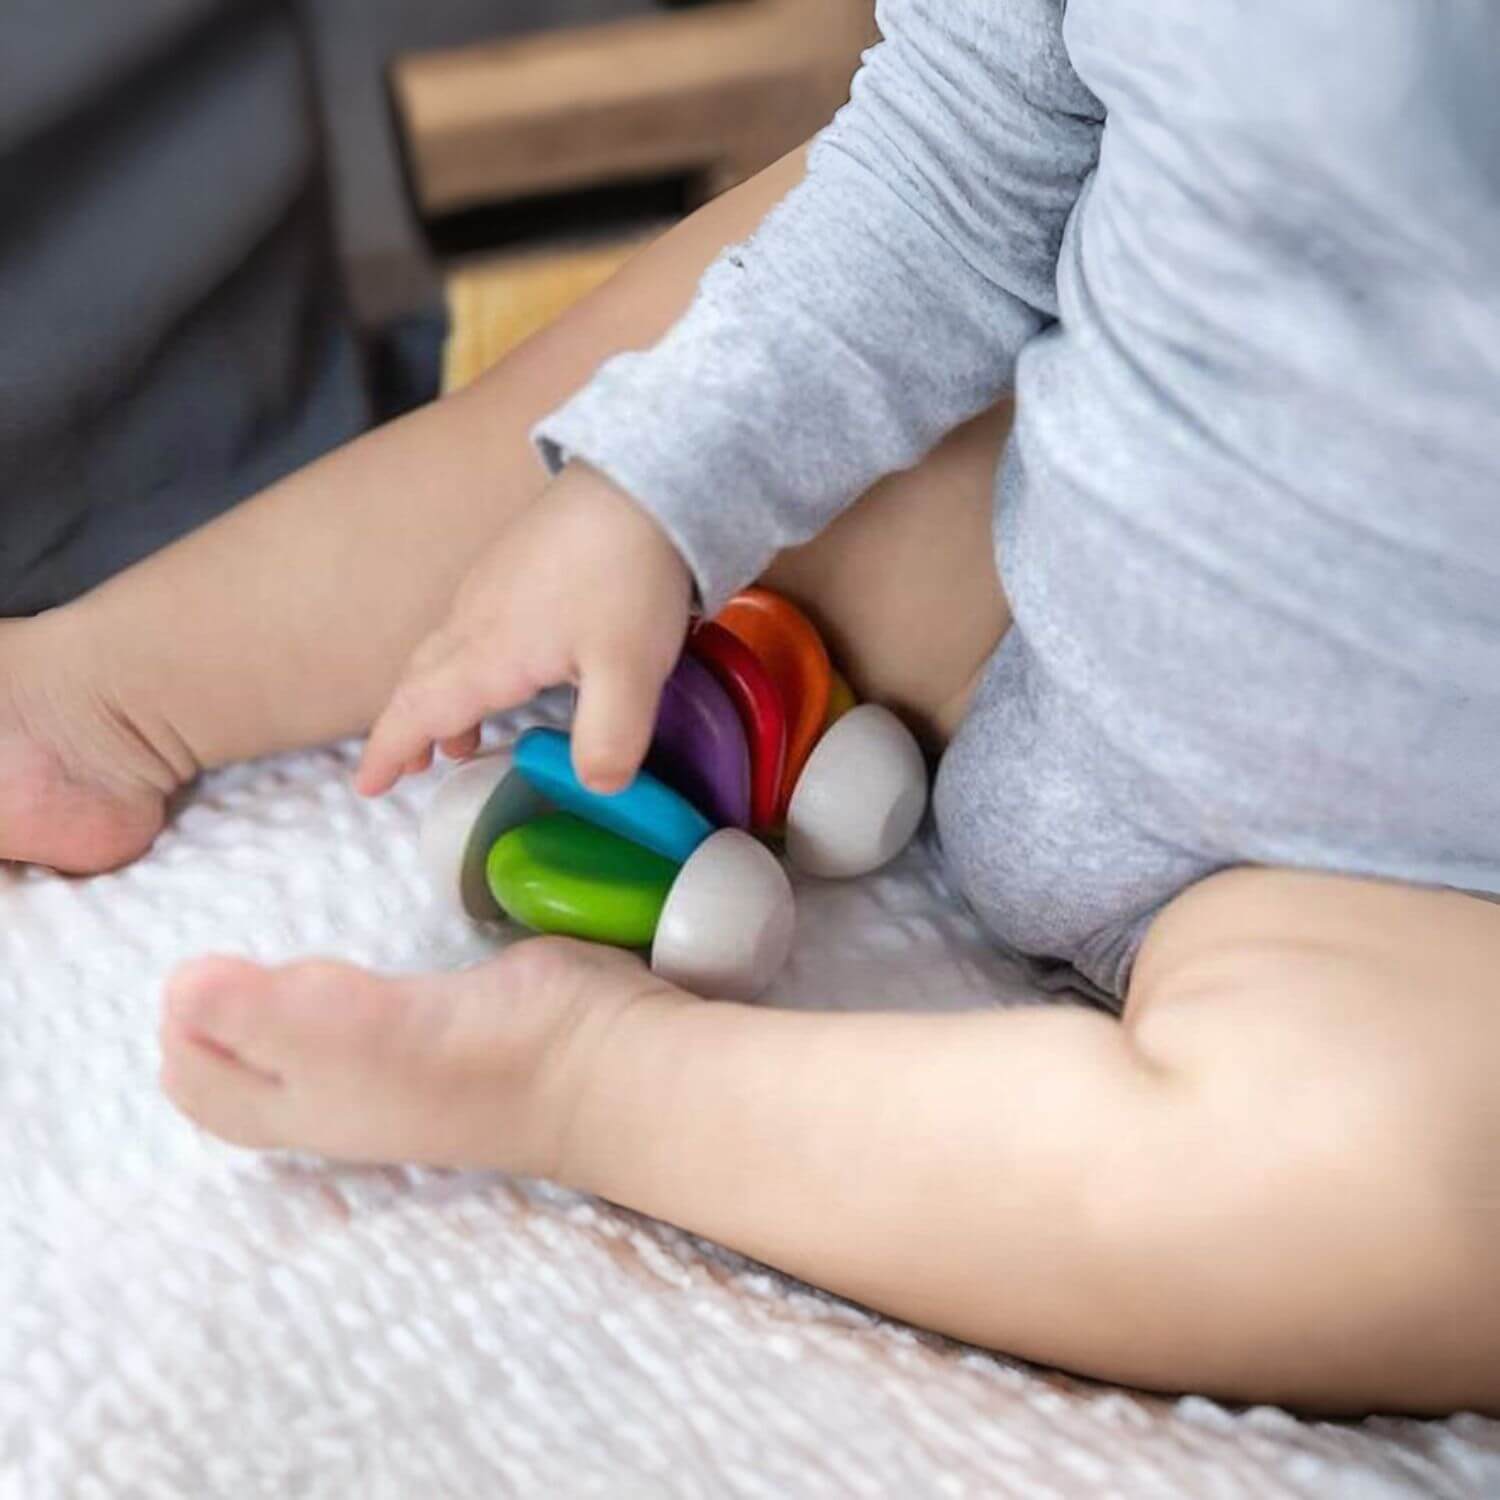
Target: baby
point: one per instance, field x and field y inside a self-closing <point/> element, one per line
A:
<point x="1219" y="737"/>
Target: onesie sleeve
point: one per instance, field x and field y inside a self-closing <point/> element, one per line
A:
<point x="879" y="306"/>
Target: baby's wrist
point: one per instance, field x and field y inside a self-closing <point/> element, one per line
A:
<point x="594" y="489"/>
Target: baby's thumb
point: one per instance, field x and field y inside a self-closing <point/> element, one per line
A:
<point x="617" y="704"/>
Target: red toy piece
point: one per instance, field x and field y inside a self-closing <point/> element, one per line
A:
<point x="792" y="652"/>
<point x="753" y="692"/>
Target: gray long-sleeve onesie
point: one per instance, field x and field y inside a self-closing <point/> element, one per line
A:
<point x="1240" y="260"/>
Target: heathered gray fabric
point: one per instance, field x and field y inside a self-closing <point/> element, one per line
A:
<point x="1241" y="261"/>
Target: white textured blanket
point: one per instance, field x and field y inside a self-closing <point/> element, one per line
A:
<point x="178" y="1319"/>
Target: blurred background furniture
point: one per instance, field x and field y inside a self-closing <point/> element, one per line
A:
<point x="509" y="153"/>
<point x="233" y="232"/>
<point x="387" y="264"/>
<point x="714" y="93"/>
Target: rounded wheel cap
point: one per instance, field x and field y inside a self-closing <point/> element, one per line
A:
<point x="727" y="927"/>
<point x="860" y="797"/>
<point x="481" y="800"/>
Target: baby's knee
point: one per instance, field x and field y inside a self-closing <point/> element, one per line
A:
<point x="1326" y="1206"/>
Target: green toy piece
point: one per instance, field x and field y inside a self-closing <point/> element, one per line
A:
<point x="562" y="875"/>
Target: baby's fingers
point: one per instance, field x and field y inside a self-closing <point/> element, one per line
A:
<point x="617" y="704"/>
<point x="463" y="746"/>
<point x="446" y="702"/>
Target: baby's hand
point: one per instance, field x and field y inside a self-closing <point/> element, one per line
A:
<point x="581" y="587"/>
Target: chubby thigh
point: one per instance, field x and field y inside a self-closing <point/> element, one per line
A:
<point x="904" y="585"/>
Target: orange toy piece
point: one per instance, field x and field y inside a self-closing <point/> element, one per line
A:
<point x="793" y="653"/>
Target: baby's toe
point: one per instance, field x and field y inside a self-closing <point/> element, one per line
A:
<point x="216" y="1091"/>
<point x="220" y="1004"/>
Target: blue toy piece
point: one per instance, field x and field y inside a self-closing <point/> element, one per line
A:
<point x="647" y="812"/>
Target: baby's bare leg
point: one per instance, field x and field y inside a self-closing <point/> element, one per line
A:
<point x="287" y="621"/>
<point x="1277" y="1181"/>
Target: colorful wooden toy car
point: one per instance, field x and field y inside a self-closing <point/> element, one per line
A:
<point x="755" y="728"/>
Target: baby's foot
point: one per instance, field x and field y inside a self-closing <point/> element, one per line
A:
<point x="473" y="1069"/>
<point x="81" y="787"/>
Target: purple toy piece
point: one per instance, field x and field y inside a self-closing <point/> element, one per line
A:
<point x="699" y="747"/>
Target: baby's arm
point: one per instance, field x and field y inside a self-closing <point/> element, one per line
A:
<point x="877" y="309"/>
<point x="874" y="311"/>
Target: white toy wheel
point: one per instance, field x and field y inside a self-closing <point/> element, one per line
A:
<point x="481" y="800"/>
<point x="860" y="798"/>
<point x="727" y="927"/>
